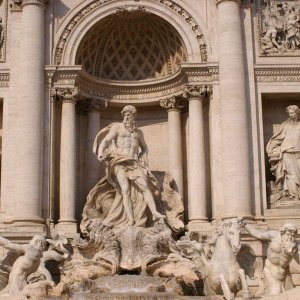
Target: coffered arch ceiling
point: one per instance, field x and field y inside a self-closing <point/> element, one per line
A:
<point x="131" y="46"/>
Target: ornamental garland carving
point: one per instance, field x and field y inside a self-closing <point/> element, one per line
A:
<point x="98" y="3"/>
<point x="279" y="27"/>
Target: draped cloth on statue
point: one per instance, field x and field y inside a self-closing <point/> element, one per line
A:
<point x="284" y="152"/>
<point x="105" y="199"/>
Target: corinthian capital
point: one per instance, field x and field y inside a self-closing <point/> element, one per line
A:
<point x="197" y="91"/>
<point x="66" y="94"/>
<point x="175" y="102"/>
<point x="90" y="105"/>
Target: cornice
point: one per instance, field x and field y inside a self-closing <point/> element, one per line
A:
<point x="63" y="76"/>
<point x="271" y="73"/>
<point x="4" y="78"/>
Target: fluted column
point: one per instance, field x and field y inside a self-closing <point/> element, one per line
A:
<point x="174" y="105"/>
<point x="67" y="204"/>
<point x="92" y="108"/>
<point x="29" y="105"/>
<point x="234" y="115"/>
<point x="197" y="202"/>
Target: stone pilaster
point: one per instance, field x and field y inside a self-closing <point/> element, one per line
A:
<point x="174" y="105"/>
<point x="234" y="114"/>
<point x="197" y="202"/>
<point x="92" y="108"/>
<point x="68" y="97"/>
<point x="26" y="208"/>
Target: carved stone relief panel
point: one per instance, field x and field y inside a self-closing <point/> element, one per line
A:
<point x="278" y="27"/>
<point x="3" y="29"/>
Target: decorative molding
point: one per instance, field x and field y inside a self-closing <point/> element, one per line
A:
<point x="66" y="77"/>
<point x="98" y="3"/>
<point x="175" y="102"/>
<point x="277" y="74"/>
<point x="278" y="27"/>
<point x="4" y="79"/>
<point x="143" y="91"/>
<point x="134" y="92"/>
<point x="198" y="74"/>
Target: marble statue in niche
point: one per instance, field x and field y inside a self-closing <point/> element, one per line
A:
<point x="128" y="181"/>
<point x="279" y="27"/>
<point x="283" y="151"/>
<point x="281" y="251"/>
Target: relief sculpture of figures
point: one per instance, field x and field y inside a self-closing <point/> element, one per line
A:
<point x="279" y="27"/>
<point x="283" y="150"/>
<point x="282" y="250"/>
<point x="128" y="181"/>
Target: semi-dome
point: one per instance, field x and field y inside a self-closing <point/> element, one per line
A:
<point x="131" y="46"/>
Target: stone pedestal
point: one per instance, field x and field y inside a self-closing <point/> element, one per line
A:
<point x="234" y="114"/>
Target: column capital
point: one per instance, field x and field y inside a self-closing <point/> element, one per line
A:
<point x="30" y="2"/>
<point x="91" y="105"/>
<point x="218" y="2"/>
<point x="65" y="95"/>
<point x="197" y="91"/>
<point x="175" y="102"/>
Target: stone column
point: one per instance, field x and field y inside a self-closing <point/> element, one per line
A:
<point x="234" y="114"/>
<point x="93" y="108"/>
<point x="197" y="202"/>
<point x="67" y="221"/>
<point x="29" y="107"/>
<point x="174" y="106"/>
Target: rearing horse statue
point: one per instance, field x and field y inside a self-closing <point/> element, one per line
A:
<point x="222" y="274"/>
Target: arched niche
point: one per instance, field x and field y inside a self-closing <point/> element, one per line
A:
<point x="79" y="22"/>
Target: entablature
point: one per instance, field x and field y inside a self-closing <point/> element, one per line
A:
<point x="134" y="92"/>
